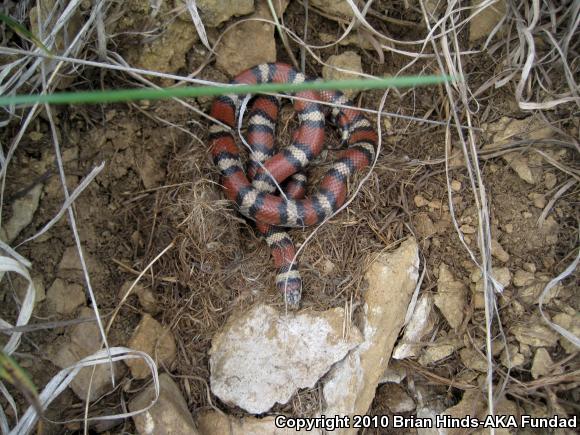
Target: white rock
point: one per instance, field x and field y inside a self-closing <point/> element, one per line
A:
<point x="350" y="387"/>
<point x="264" y="356"/>
<point x="419" y="325"/>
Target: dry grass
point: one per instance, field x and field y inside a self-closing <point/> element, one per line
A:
<point x="217" y="266"/>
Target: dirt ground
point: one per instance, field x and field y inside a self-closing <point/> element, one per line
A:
<point x="159" y="188"/>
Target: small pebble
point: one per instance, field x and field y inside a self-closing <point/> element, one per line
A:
<point x="35" y="136"/>
<point x="435" y="204"/>
<point x="456" y="185"/>
<point x="529" y="267"/>
<point x="420" y="201"/>
<point x="537" y="199"/>
<point x="509" y="228"/>
<point x="466" y="219"/>
<point x="467" y="229"/>
<point x="527" y="215"/>
<point x="503" y="276"/>
<point x="498" y="252"/>
<point x="550" y="180"/>
<point x="522" y="278"/>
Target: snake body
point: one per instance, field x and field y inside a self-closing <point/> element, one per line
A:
<point x="255" y="191"/>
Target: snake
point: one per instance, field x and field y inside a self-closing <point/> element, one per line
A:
<point x="270" y="189"/>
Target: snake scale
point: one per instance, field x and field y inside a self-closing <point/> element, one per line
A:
<point x="253" y="188"/>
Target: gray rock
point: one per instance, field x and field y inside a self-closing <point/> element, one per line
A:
<point x="334" y="7"/>
<point x="215" y="12"/>
<point x="523" y="278"/>
<point x="395" y="373"/>
<point x="70" y="267"/>
<point x="21" y="285"/>
<point x="535" y="333"/>
<point x="424" y="225"/>
<point x="473" y="360"/>
<point x="154" y="339"/>
<point x="397" y="399"/>
<point x="436" y="352"/>
<point x="482" y="24"/>
<point x="542" y="364"/>
<point x="350" y="387"/>
<point x="85" y="340"/>
<point x="23" y="210"/>
<point x="64" y="298"/>
<point x="218" y="423"/>
<point x="498" y="252"/>
<point x="451" y="297"/>
<point x="348" y="61"/>
<point x="570" y="323"/>
<point x="420" y="324"/>
<point x="501" y="274"/>
<point x="145" y="295"/>
<point x="248" y="44"/>
<point x="169" y="415"/>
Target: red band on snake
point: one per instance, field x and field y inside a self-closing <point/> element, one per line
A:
<point x="255" y="191"/>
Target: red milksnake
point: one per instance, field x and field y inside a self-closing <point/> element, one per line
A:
<point x="254" y="191"/>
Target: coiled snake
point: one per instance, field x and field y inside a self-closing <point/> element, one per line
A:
<point x="254" y="191"/>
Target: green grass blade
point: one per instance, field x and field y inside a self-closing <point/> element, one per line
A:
<point x="11" y="372"/>
<point x="118" y="95"/>
<point x="24" y="32"/>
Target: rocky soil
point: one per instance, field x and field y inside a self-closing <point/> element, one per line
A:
<point x="394" y="311"/>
